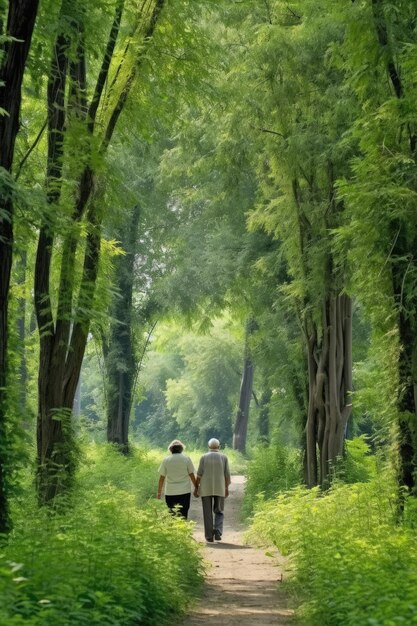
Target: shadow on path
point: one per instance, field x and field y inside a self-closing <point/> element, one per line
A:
<point x="243" y="584"/>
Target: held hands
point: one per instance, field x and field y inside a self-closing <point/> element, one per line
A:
<point x="195" y="492"/>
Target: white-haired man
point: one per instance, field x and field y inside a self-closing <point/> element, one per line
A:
<point x="212" y="484"/>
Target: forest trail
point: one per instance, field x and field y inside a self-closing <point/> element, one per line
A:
<point x="243" y="584"/>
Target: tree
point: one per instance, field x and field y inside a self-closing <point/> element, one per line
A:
<point x="246" y="387"/>
<point x="298" y="168"/>
<point x="121" y="363"/>
<point x="63" y="340"/>
<point x="16" y="36"/>
<point x="381" y="202"/>
<point x="198" y="375"/>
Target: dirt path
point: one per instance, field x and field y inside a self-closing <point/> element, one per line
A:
<point x="243" y="584"/>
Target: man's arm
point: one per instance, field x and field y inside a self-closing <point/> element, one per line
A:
<point x="227" y="479"/>
<point x="196" y="485"/>
<point x="200" y="472"/>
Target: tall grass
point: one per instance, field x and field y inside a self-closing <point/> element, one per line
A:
<point x="353" y="566"/>
<point x="272" y="470"/>
<point x="114" y="557"/>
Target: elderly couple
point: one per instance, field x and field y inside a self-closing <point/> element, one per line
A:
<point x="211" y="483"/>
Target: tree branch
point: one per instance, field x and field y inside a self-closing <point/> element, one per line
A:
<point x="104" y="70"/>
<point x="31" y="149"/>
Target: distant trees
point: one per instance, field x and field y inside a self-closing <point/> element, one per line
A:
<point x="119" y="348"/>
<point x="189" y="385"/>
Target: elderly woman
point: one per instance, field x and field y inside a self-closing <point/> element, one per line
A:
<point x="177" y="472"/>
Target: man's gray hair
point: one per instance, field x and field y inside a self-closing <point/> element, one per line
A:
<point x="214" y="443"/>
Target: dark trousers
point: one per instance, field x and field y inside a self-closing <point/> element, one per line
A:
<point x="182" y="501"/>
<point x="212" y="505"/>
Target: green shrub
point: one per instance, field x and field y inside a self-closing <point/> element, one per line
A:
<point x="352" y="565"/>
<point x="272" y="470"/>
<point x="358" y="465"/>
<point x="102" y="560"/>
<point x="136" y="472"/>
<point x="237" y="461"/>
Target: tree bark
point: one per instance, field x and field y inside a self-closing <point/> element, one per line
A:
<point x="53" y="423"/>
<point x="242" y="416"/>
<point x="330" y="386"/>
<point x="21" y="331"/>
<point x="121" y="360"/>
<point x="407" y="365"/>
<point x="19" y="29"/>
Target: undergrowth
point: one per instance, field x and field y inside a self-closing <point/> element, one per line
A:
<point x="111" y="557"/>
<point x="352" y="564"/>
<point x="272" y="469"/>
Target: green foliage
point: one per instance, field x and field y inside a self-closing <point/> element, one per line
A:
<point x="272" y="470"/>
<point x="360" y="570"/>
<point x="104" y="465"/>
<point x="191" y="381"/>
<point x="106" y="561"/>
<point x="358" y="465"/>
<point x="379" y="195"/>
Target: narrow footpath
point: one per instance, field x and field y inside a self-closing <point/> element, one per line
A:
<point x="243" y="585"/>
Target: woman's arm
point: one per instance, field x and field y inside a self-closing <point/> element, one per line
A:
<point x="160" y="485"/>
<point x="193" y="479"/>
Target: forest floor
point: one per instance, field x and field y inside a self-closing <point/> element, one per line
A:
<point x="243" y="584"/>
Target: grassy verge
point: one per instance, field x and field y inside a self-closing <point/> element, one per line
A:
<point x="115" y="557"/>
<point x="352" y="565"/>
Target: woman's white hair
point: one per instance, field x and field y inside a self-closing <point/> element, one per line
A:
<point x="214" y="443"/>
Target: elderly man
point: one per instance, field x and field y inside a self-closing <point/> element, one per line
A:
<point x="212" y="484"/>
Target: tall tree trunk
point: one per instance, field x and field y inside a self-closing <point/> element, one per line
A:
<point x="53" y="422"/>
<point x="403" y="266"/>
<point x="20" y="24"/>
<point x="242" y="416"/>
<point x="330" y="385"/>
<point x="313" y="411"/>
<point x="121" y="360"/>
<point x="21" y="331"/>
<point x="403" y="286"/>
<point x="63" y="343"/>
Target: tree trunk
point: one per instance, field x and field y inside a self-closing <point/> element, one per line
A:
<point x="407" y="366"/>
<point x="407" y="405"/>
<point x="53" y="421"/>
<point x="403" y="267"/>
<point x="121" y="359"/>
<point x="330" y="385"/>
<point x="242" y="416"/>
<point x="21" y="330"/>
<point x="312" y="411"/>
<point x="63" y="343"/>
<point x="20" y="24"/>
